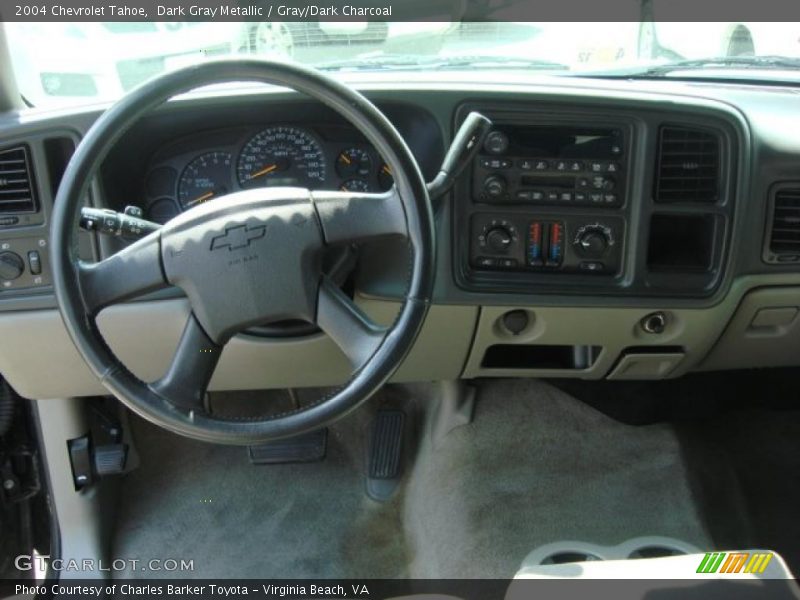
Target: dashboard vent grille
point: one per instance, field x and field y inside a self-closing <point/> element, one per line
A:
<point x="16" y="182"/>
<point x="784" y="239"/>
<point x="688" y="165"/>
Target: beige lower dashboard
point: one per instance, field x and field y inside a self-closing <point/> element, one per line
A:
<point x="755" y="326"/>
<point x="39" y="360"/>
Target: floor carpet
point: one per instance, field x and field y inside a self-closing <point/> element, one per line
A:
<point x="535" y="466"/>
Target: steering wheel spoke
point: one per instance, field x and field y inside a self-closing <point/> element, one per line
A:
<point x="347" y="325"/>
<point x="195" y="360"/>
<point x="353" y="217"/>
<point x="131" y="272"/>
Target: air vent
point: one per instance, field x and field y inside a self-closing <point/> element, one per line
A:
<point x="688" y="165"/>
<point x="16" y="182"/>
<point x="784" y="237"/>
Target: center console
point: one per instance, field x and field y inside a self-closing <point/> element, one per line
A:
<point x="561" y="200"/>
<point x="545" y="169"/>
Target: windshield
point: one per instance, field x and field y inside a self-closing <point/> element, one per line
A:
<point x="58" y="63"/>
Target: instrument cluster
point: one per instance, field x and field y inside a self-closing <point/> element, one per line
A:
<point x="215" y="165"/>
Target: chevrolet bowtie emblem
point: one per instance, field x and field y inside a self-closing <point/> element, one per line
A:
<point x="238" y="237"/>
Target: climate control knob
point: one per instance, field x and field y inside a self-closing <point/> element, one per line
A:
<point x="11" y="266"/>
<point x="593" y="240"/>
<point x="499" y="239"/>
<point x="495" y="186"/>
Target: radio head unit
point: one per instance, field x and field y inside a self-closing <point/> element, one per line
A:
<point x="560" y="165"/>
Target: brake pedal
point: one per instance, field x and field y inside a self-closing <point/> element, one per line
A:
<point x="385" y="456"/>
<point x="309" y="447"/>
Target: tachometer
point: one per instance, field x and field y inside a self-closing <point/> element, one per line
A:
<point x="281" y="156"/>
<point x="206" y="177"/>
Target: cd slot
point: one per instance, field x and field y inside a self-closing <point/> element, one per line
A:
<point x="539" y="181"/>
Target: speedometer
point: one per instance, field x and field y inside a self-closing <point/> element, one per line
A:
<point x="281" y="156"/>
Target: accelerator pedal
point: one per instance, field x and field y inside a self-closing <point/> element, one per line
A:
<point x="386" y="453"/>
<point x="309" y="447"/>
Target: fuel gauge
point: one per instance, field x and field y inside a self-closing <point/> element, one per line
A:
<point x="353" y="162"/>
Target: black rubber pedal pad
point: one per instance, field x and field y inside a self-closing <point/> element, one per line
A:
<point x="309" y="447"/>
<point x="387" y="444"/>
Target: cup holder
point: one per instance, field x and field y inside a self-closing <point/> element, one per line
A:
<point x="656" y="552"/>
<point x="560" y="558"/>
<point x="566" y="552"/>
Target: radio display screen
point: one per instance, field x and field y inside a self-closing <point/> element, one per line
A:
<point x="563" y="141"/>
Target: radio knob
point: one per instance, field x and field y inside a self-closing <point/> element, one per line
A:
<point x="11" y="266"/>
<point x="593" y="242"/>
<point x="499" y="239"/>
<point x="496" y="142"/>
<point x="495" y="186"/>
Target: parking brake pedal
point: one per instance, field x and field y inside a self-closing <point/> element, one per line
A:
<point x="308" y="447"/>
<point x="385" y="455"/>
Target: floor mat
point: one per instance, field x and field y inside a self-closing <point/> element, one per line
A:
<point x="537" y="466"/>
<point x="195" y="501"/>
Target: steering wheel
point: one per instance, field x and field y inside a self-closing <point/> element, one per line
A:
<point x="248" y="258"/>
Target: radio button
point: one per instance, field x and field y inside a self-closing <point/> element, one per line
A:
<point x="537" y="196"/>
<point x="495" y="186"/>
<point x="541" y="165"/>
<point x="561" y="165"/>
<point x="507" y="262"/>
<point x="610" y="198"/>
<point x="565" y="196"/>
<point x="596" y="198"/>
<point x="576" y="166"/>
<point x="495" y="163"/>
<point x="596" y="167"/>
<point x="552" y="196"/>
<point x="580" y="197"/>
<point x="486" y="261"/>
<point x="525" y="195"/>
<point x="582" y="183"/>
<point x="496" y="142"/>
<point x="612" y="167"/>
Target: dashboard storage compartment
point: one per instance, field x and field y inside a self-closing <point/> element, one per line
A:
<point x="680" y="242"/>
<point x="537" y="356"/>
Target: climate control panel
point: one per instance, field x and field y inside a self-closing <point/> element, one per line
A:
<point x="545" y="243"/>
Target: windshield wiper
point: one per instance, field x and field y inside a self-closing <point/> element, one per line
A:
<point x="709" y="64"/>
<point x="410" y="62"/>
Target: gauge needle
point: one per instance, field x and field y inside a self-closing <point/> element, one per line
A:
<point x="345" y="158"/>
<point x="202" y="198"/>
<point x="264" y="171"/>
<point x="386" y="169"/>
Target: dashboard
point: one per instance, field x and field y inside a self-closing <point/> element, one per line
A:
<point x="606" y="229"/>
<point x="209" y="165"/>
